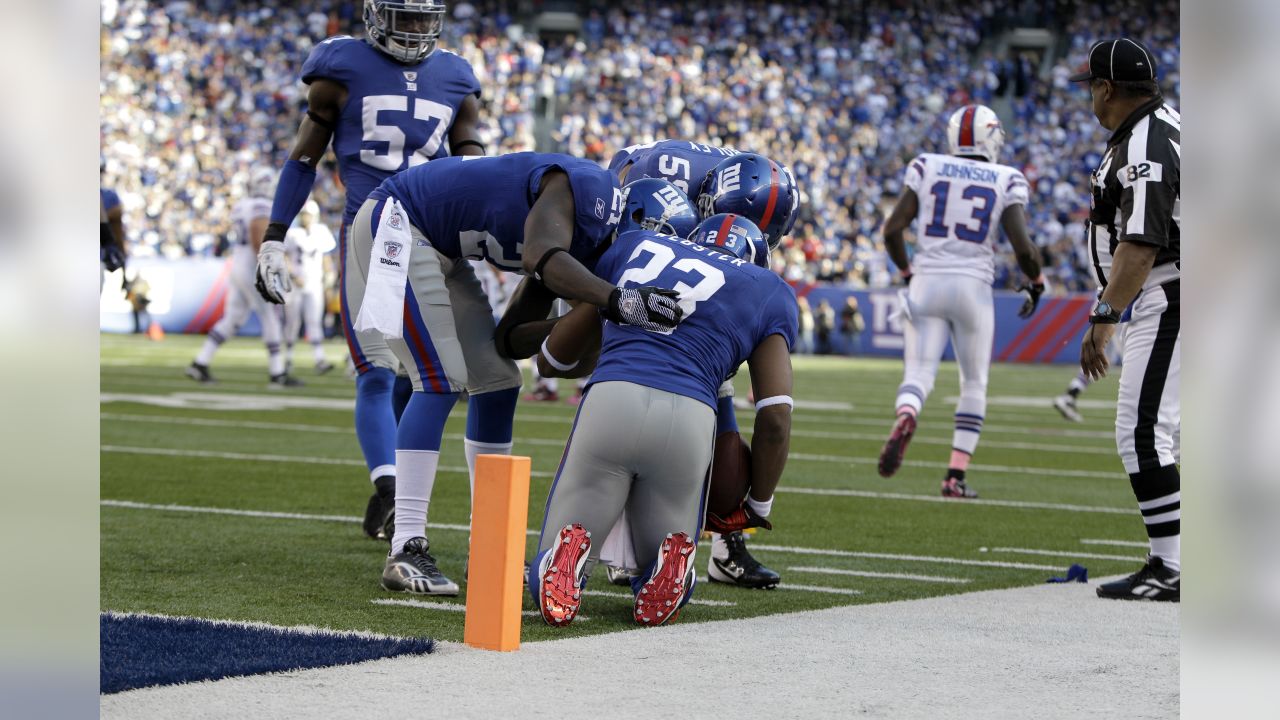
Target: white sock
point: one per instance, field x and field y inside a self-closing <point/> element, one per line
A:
<point x="382" y="470"/>
<point x="415" y="476"/>
<point x="319" y="351"/>
<point x="474" y="448"/>
<point x="275" y="363"/>
<point x="1168" y="549"/>
<point x="207" y="350"/>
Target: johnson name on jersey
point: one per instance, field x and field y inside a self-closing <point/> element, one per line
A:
<point x="492" y="196"/>
<point x="960" y="205"/>
<point x="397" y="116"/>
<point x="679" y="162"/>
<point x="730" y="307"/>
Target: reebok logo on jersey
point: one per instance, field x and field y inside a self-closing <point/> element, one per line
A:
<point x="600" y="208"/>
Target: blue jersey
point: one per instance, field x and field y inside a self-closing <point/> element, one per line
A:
<point x="679" y="162"/>
<point x="493" y="195"/>
<point x="110" y="199"/>
<point x="730" y="307"/>
<point x="397" y="116"/>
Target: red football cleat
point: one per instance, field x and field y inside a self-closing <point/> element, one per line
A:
<point x="561" y="581"/>
<point x="896" y="446"/>
<point x="659" y="599"/>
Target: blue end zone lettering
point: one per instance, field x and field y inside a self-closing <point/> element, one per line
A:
<point x="145" y="650"/>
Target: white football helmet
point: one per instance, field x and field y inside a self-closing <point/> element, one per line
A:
<point x="975" y="130"/>
<point x="262" y="182"/>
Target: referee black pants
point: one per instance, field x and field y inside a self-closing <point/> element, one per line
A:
<point x="1148" y="415"/>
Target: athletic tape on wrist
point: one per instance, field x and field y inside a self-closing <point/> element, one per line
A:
<point x="553" y="362"/>
<point x="775" y="400"/>
<point x="761" y="508"/>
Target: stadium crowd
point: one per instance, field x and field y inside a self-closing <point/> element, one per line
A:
<point x="196" y="94"/>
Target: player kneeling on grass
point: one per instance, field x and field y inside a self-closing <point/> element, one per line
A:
<point x="642" y="441"/>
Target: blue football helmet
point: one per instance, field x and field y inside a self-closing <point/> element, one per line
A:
<point x="735" y="235"/>
<point x="755" y="187"/>
<point x="406" y="30"/>
<point x="655" y="204"/>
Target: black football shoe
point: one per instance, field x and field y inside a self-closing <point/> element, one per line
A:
<point x="413" y="570"/>
<point x="284" y="380"/>
<point x="740" y="568"/>
<point x="379" y="514"/>
<point x="1153" y="582"/>
<point x="199" y="373"/>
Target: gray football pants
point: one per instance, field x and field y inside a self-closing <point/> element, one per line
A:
<point x="638" y="448"/>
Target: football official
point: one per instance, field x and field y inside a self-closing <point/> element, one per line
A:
<point x="1134" y="239"/>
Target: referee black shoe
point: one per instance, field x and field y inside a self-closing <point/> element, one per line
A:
<point x="740" y="568"/>
<point x="1153" y="582"/>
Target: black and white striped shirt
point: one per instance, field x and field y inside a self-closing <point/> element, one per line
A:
<point x="1136" y="192"/>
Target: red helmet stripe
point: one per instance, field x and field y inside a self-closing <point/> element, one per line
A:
<point x="773" y="196"/>
<point x="966" y="126"/>
<point x="723" y="232"/>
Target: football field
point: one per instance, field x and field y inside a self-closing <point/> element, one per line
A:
<point x="235" y="502"/>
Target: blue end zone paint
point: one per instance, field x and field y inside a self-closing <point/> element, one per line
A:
<point x="144" y="650"/>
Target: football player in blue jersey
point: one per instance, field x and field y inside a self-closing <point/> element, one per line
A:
<point x="641" y="445"/>
<point x="723" y="180"/>
<point x="111" y="248"/>
<point x="388" y="102"/>
<point x="410" y="282"/>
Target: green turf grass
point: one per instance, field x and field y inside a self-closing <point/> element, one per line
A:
<point x="324" y="572"/>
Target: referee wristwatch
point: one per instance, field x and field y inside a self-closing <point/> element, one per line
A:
<point x="1104" y="314"/>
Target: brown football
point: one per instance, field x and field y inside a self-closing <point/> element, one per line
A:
<point x="730" y="473"/>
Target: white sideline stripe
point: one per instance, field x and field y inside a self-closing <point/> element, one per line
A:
<point x="252" y="457"/>
<point x="976" y="502"/>
<point x="880" y="422"/>
<point x="453" y="607"/>
<point x="693" y="601"/>
<point x="818" y="589"/>
<point x="1062" y="553"/>
<point x="1017" y="470"/>
<point x="892" y="576"/>
<point x="1120" y="543"/>
<point x="300" y="629"/>
<point x="895" y="556"/>
<point x="347" y="430"/>
<point x="532" y="532"/>
<point x="258" y="513"/>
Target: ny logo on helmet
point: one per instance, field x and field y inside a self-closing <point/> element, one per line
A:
<point x="671" y="201"/>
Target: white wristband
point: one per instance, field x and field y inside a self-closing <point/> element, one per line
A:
<point x="775" y="400"/>
<point x="546" y="355"/>
<point x="760" y="508"/>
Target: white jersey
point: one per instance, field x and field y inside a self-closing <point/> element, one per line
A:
<point x="306" y="249"/>
<point x="245" y="212"/>
<point x="961" y="202"/>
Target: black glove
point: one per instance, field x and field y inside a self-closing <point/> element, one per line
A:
<point x="112" y="257"/>
<point x="1033" y="290"/>
<point x="740" y="519"/>
<point x="649" y="308"/>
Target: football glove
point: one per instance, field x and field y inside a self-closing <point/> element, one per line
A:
<point x="112" y="257"/>
<point x="1033" y="290"/>
<point x="740" y="519"/>
<point x="273" y="281"/>
<point x="649" y="308"/>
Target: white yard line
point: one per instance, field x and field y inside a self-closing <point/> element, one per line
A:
<point x="978" y="502"/>
<point x="253" y="457"/>
<point x="896" y="556"/>
<point x="1119" y="543"/>
<point x="347" y="430"/>
<point x="128" y="504"/>
<point x="1060" y="553"/>
<point x="629" y="596"/>
<point x="1011" y="469"/>
<point x="452" y="607"/>
<point x="815" y="588"/>
<point x="891" y="576"/>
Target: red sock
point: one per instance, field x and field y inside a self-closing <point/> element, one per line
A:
<point x="907" y="410"/>
<point x="959" y="460"/>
